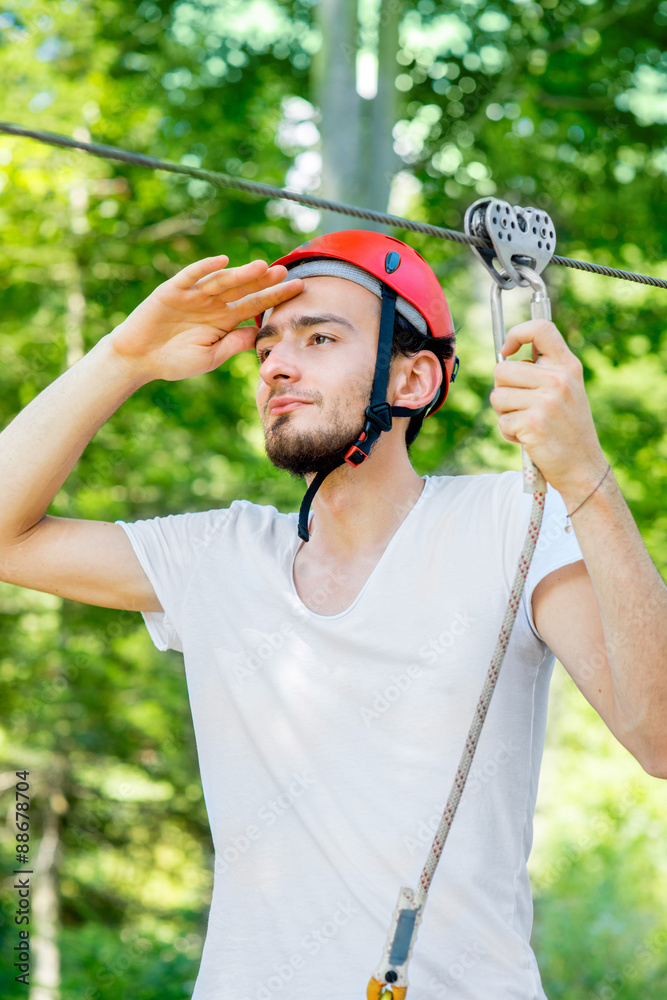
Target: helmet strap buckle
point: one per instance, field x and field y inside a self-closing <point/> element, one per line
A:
<point x="378" y="415"/>
<point x="354" y="456"/>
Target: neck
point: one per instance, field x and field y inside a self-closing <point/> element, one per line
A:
<point x="359" y="510"/>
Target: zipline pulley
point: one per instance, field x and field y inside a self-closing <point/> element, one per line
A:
<point x="521" y="237"/>
<point x="524" y="240"/>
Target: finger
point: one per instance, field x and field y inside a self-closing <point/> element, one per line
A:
<point x="193" y="272"/>
<point x="258" y="302"/>
<point x="508" y="400"/>
<point x="507" y="425"/>
<point x="241" y="339"/>
<point x="232" y="277"/>
<point x="245" y="283"/>
<point x="519" y="373"/>
<point x="543" y="335"/>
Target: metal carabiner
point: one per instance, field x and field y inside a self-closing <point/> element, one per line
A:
<point x="390" y="979"/>
<point x="540" y="308"/>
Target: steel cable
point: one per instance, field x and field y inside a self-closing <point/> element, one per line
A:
<point x="310" y="201"/>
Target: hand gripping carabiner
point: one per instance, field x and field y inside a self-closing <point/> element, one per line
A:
<point x="540" y="308"/>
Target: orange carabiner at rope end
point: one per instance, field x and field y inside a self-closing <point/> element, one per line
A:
<point x="383" y="991"/>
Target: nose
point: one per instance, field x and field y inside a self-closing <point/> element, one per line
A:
<point x="281" y="364"/>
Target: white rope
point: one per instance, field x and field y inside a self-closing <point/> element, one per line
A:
<point x="482" y="708"/>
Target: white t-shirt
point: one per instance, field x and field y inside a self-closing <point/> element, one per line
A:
<point x="328" y="744"/>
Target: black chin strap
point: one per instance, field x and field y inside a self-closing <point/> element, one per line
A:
<point x="378" y="412"/>
<point x="304" y="509"/>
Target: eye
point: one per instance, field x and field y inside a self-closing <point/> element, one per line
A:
<point x="321" y="337"/>
<point x="263" y="354"/>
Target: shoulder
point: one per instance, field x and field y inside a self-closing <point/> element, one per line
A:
<point x="258" y="517"/>
<point x="255" y="524"/>
<point x="498" y="494"/>
<point x="498" y="499"/>
<point x="242" y="520"/>
<point x="481" y="483"/>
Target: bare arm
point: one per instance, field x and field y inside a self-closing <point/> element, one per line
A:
<point x="87" y="561"/>
<point x="605" y="618"/>
<point x="186" y="327"/>
<point x="606" y="621"/>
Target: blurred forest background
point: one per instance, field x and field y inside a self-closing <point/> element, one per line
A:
<point x="424" y="107"/>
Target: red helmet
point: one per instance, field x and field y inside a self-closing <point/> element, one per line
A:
<point x="397" y="265"/>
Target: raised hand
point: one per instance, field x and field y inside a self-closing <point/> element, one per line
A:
<point x="189" y="324"/>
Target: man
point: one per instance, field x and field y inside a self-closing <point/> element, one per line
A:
<point x="333" y="680"/>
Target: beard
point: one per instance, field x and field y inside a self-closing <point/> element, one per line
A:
<point x="308" y="452"/>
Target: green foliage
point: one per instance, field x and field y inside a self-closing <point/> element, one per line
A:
<point x="598" y="868"/>
<point x="556" y="104"/>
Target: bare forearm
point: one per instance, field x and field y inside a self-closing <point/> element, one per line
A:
<point x="632" y="600"/>
<point x="40" y="447"/>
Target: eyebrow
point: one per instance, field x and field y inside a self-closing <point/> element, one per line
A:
<point x="303" y="323"/>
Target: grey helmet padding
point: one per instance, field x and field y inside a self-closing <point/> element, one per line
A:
<point x="326" y="267"/>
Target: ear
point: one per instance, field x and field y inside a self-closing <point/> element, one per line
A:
<point x="414" y="381"/>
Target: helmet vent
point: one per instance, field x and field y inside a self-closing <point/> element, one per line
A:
<point x="391" y="261"/>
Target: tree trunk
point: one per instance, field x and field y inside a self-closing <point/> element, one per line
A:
<point x="45" y="973"/>
<point x="358" y="160"/>
<point x="380" y="162"/>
